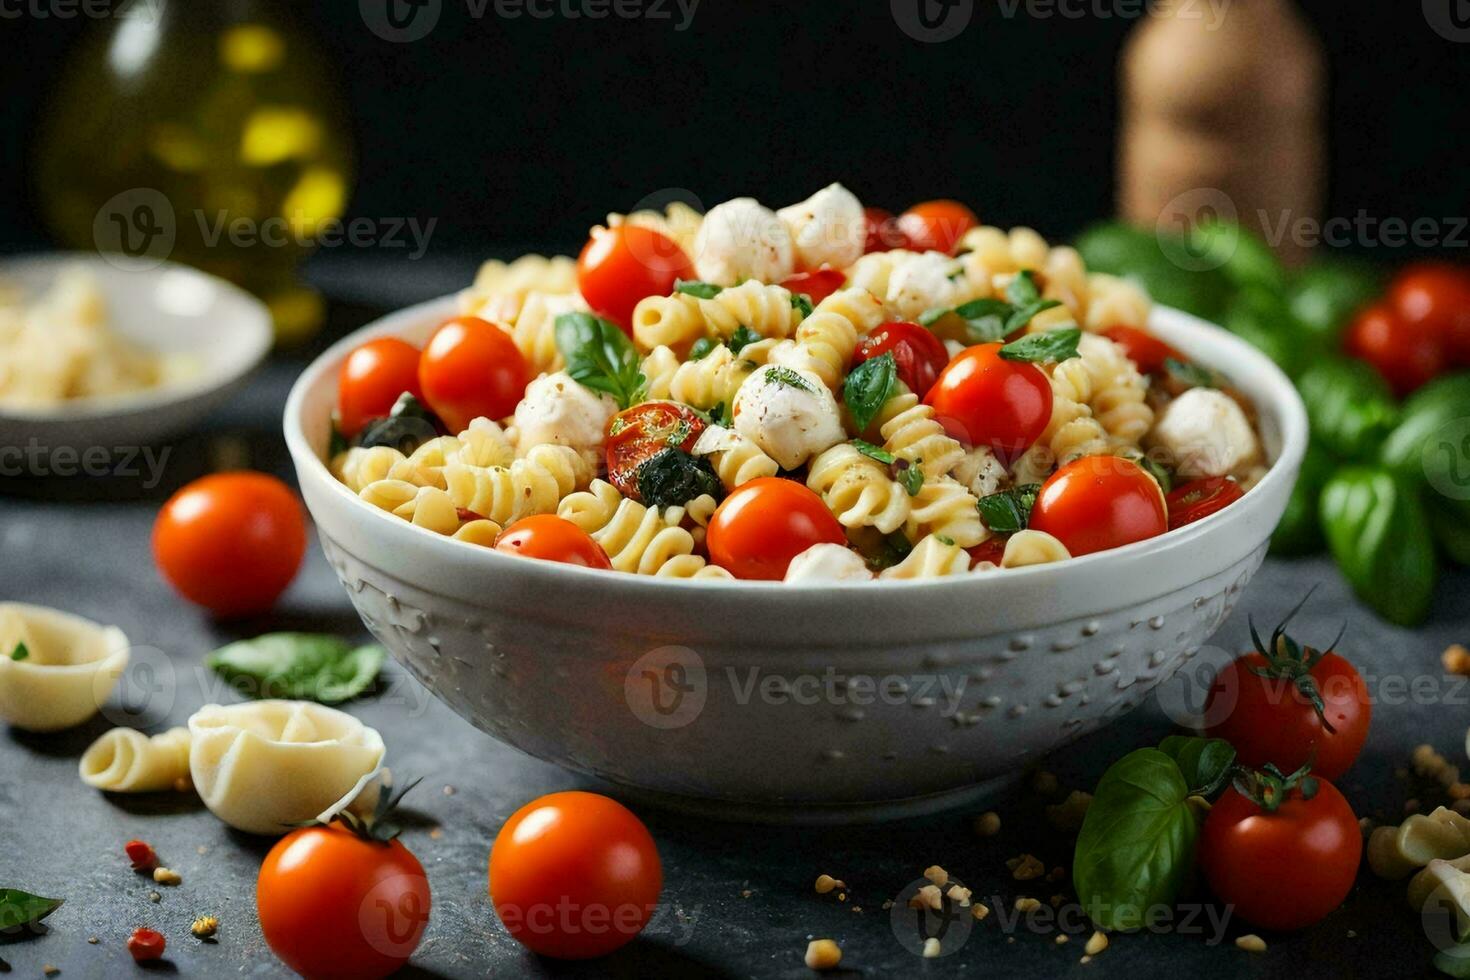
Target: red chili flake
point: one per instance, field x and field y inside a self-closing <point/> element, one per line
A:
<point x="146" y="944"/>
<point x="141" y="854"/>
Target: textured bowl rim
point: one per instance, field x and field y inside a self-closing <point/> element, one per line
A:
<point x="1275" y="398"/>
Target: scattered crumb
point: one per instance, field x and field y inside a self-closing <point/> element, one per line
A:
<point x="1352" y="934"/>
<point x="1056" y="901"/>
<point x="936" y="874"/>
<point x="1085" y="960"/>
<point x="959" y="895"/>
<point x="887" y="904"/>
<point x="167" y="876"/>
<point x="93" y="940"/>
<point x="1456" y="660"/>
<point x="842" y="896"/>
<point x="826" y="883"/>
<point x="50" y="970"/>
<point x="1251" y="943"/>
<point x="204" y="927"/>
<point x="154" y="897"/>
<point x="1096" y="943"/>
<point x="745" y="893"/>
<point x="979" y="910"/>
<point x="450" y="790"/>
<point x="927" y="897"/>
<point x="1061" y="939"/>
<point x="1027" y="868"/>
<point x="1067" y="816"/>
<point x="987" y="824"/>
<point x="1027" y="904"/>
<point x="931" y="948"/>
<point x="823" y="954"/>
<point x="436" y="833"/>
<point x="1057" y="874"/>
<point x="1044" y="783"/>
<point x="201" y="850"/>
<point x="857" y="908"/>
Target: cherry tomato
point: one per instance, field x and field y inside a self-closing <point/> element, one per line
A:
<point x="552" y="538"/>
<point x="472" y="368"/>
<point x="146" y="945"/>
<point x="758" y="529"/>
<point x="919" y="354"/>
<point x="1143" y="348"/>
<point x="1099" y="502"/>
<point x="992" y="549"/>
<point x="231" y="542"/>
<point x="882" y="231"/>
<point x="635" y="434"/>
<point x="816" y="285"/>
<point x="1407" y="354"/>
<point x="620" y="266"/>
<point x="334" y="905"/>
<point x="1286" y="869"/>
<point x="372" y="378"/>
<point x="982" y="399"/>
<point x="936" y="225"/>
<point x="1198" y="499"/>
<point x="1436" y="297"/>
<point x="1263" y="705"/>
<point x="141" y="855"/>
<point x="574" y="875"/>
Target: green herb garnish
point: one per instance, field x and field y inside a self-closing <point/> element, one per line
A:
<point x="1190" y="374"/>
<point x="600" y="356"/>
<point x="298" y="666"/>
<point x="21" y="652"/>
<point x="868" y="387"/>
<point x="1009" y="511"/>
<point x="1048" y="345"/>
<point x="696" y="288"/>
<point x="742" y="338"/>
<point x="802" y="303"/>
<point x="21" y="910"/>
<point x="782" y="375"/>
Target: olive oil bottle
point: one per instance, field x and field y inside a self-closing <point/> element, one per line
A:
<point x="207" y="132"/>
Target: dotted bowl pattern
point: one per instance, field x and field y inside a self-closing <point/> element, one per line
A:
<point x="790" y="726"/>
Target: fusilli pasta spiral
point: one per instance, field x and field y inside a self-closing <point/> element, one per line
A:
<point x="358" y="467"/>
<point x="945" y="508"/>
<point x="858" y="490"/>
<point x="425" y="466"/>
<point x="830" y="335"/>
<point x="740" y="460"/>
<point x="636" y="538"/>
<point x="426" y="507"/>
<point x="1030" y="547"/>
<point x="912" y="433"/>
<point x="931" y="558"/>
<point x="533" y="485"/>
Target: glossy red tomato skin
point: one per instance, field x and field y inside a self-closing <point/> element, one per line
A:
<point x="919" y="355"/>
<point x="231" y="542"/>
<point x="1198" y="499"/>
<point x="574" y="875"/>
<point x="763" y="524"/>
<point x="1270" y="720"/>
<point x="1436" y="297"/>
<point x="936" y="226"/>
<point x="552" y="538"/>
<point x="146" y="945"/>
<point x="982" y="399"/>
<point x="816" y="285"/>
<point x="620" y="266"/>
<point x="883" y="234"/>
<point x="1406" y="354"/>
<point x="637" y="433"/>
<point x="1099" y="502"/>
<point x="372" y="379"/>
<point x="1144" y="349"/>
<point x="992" y="549"/>
<point x="335" y="907"/>
<point x="472" y="368"/>
<point x="1284" y="870"/>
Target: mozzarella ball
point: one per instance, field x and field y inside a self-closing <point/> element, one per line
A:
<point x="741" y="240"/>
<point x="1207" y="434"/>
<point x="789" y="413"/>
<point x="828" y="563"/>
<point x="924" y="282"/>
<point x="828" y="228"/>
<point x="558" y="411"/>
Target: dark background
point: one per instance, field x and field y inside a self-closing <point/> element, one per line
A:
<point x="526" y="131"/>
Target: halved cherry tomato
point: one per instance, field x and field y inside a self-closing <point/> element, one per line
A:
<point x="1436" y="297"/>
<point x="1283" y="869"/>
<point x="882" y="231"/>
<point x="1407" y="354"/>
<point x="372" y="378"/>
<point x="1143" y="348"/>
<point x="231" y="542"/>
<point x="1198" y="499"/>
<point x="620" y="266"/>
<point x="637" y="433"/>
<point x="936" y="225"/>
<point x="472" y="368"/>
<point x="764" y="524"/>
<point x="992" y="549"/>
<point x="817" y="285"/>
<point x="146" y="945"/>
<point x="552" y="538"/>
<point x="982" y="399"/>
<point x="1099" y="502"/>
<point x="919" y="354"/>
<point x="574" y="875"/>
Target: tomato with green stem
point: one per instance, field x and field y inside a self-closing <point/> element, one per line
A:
<point x="763" y="524"/>
<point x="552" y="538"/>
<point x="620" y="266"/>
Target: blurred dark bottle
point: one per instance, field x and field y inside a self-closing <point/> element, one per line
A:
<point x="208" y="132"/>
<point x="1223" y="110"/>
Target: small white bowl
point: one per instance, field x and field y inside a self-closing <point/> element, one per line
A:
<point x="167" y="308"/>
<point x="757" y="699"/>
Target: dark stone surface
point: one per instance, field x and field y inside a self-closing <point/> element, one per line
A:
<point x="739" y="899"/>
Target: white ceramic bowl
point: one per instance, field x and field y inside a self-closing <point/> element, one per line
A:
<point x="781" y="701"/>
<point x="169" y="308"/>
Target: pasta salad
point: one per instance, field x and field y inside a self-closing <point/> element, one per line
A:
<point x="822" y="392"/>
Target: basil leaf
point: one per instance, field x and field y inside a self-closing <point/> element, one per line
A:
<point x="1349" y="406"/>
<point x="874" y="452"/>
<point x="1449" y="520"/>
<point x="985" y="319"/>
<point x="672" y="478"/>
<point x="1378" y="533"/>
<point x="696" y="288"/>
<point x="1189" y="374"/>
<point x="802" y="303"/>
<point x="1323" y="296"/>
<point x="1205" y="763"/>
<point x="701" y="348"/>
<point x="1423" y="444"/>
<point x="19" y="910"/>
<point x="1022" y="315"/>
<point x="910" y="477"/>
<point x="1300" y="530"/>
<point x="599" y="356"/>
<point x="1048" y="345"/>
<point x="21" y="652"/>
<point x="1022" y="290"/>
<point x="1136" y="847"/>
<point x="1009" y="511"/>
<point x="1454" y="962"/>
<point x="407" y="426"/>
<point x="1238" y="253"/>
<point x="868" y="387"/>
<point x="741" y="338"/>
<point x="884" y="551"/>
<point x="298" y="666"/>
